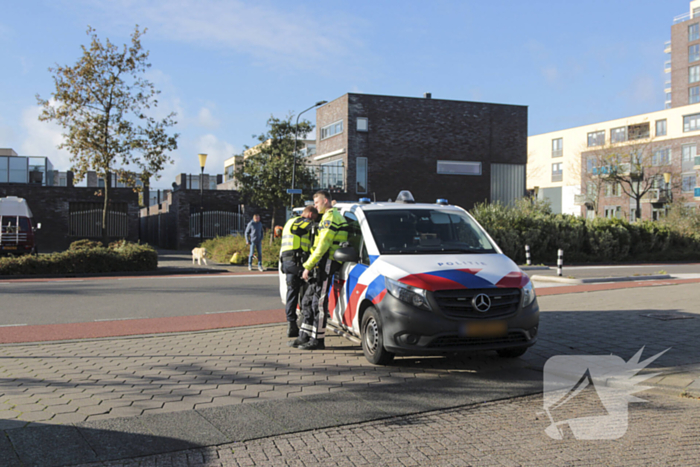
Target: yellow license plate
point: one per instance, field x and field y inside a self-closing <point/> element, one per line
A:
<point x="486" y="329"/>
<point x="9" y="248"/>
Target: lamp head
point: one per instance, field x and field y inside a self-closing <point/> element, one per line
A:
<point x="667" y="177"/>
<point x="202" y="160"/>
<point x="321" y="103"/>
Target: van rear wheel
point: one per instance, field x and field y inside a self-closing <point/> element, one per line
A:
<point x="372" y="338"/>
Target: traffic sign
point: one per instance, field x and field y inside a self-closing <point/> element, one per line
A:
<point x="293" y="191"/>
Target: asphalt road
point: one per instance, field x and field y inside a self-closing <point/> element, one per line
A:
<point x="613" y="270"/>
<point x="105" y="299"/>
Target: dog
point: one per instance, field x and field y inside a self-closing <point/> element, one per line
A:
<point x="199" y="255"/>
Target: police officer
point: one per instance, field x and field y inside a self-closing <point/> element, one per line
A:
<point x="332" y="231"/>
<point x="296" y="244"/>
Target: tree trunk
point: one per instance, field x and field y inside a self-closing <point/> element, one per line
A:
<point x="638" y="210"/>
<point x="272" y="224"/>
<point x="105" y="211"/>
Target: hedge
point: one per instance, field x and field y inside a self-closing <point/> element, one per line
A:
<point x="583" y="240"/>
<point x="84" y="257"/>
<point x="221" y="249"/>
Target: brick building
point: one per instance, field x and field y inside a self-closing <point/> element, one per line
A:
<point x="375" y="146"/>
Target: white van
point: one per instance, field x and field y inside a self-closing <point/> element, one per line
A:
<point x="425" y="279"/>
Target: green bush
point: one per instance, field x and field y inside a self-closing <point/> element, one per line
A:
<point x="84" y="257"/>
<point x="597" y="240"/>
<point x="220" y="249"/>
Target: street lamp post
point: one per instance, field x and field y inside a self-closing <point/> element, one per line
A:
<point x="667" y="180"/>
<point x="202" y="161"/>
<point x="294" y="153"/>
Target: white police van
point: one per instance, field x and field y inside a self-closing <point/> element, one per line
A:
<point x="426" y="279"/>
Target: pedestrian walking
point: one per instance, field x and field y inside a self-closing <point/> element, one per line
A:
<point x="253" y="237"/>
<point x="318" y="271"/>
<point x="297" y="238"/>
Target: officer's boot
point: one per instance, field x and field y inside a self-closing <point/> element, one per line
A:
<point x="299" y="341"/>
<point x="313" y="344"/>
<point x="292" y="329"/>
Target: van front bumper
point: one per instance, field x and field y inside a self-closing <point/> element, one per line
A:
<point x="408" y="330"/>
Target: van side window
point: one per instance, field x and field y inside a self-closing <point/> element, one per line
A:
<point x="355" y="237"/>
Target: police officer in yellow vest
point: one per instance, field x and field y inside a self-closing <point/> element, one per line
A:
<point x="332" y="231"/>
<point x="296" y="245"/>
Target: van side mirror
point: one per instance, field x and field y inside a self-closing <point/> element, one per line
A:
<point x="38" y="226"/>
<point x="346" y="255"/>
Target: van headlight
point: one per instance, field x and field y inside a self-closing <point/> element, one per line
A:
<point x="411" y="295"/>
<point x="528" y="294"/>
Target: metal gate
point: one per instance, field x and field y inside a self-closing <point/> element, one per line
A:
<point x="86" y="220"/>
<point x="217" y="223"/>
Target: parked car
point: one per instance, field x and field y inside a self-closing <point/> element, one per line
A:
<point x="426" y="279"/>
<point x="16" y="227"/>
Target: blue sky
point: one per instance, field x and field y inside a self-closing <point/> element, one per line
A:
<point x="226" y="66"/>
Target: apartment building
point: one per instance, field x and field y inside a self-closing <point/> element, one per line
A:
<point x="682" y="86"/>
<point x="563" y="164"/>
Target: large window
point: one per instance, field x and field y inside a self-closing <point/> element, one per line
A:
<point x="361" y="175"/>
<point x="688" y="152"/>
<point x="693" y="32"/>
<point x="18" y="170"/>
<point x="596" y="138"/>
<point x="332" y="130"/>
<point x="661" y="157"/>
<point x="557" y="172"/>
<point x="458" y="168"/>
<point x="557" y="147"/>
<point x="618" y="135"/>
<point x="362" y="124"/>
<point x="332" y="175"/>
<point x="691" y="122"/>
<point x="694" y="74"/>
<point x="688" y="183"/>
<point x="693" y="95"/>
<point x="590" y="164"/>
<point x="661" y="127"/>
<point x="693" y="53"/>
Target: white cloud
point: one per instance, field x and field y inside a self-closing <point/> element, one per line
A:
<point x="551" y="74"/>
<point x="206" y="119"/>
<point x="42" y="139"/>
<point x="186" y="161"/>
<point x="280" y="36"/>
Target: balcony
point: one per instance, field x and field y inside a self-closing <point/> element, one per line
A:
<point x="681" y="18"/>
<point x="667" y="86"/>
<point x="658" y="195"/>
<point x="667" y="47"/>
<point x="581" y="200"/>
<point x="667" y="66"/>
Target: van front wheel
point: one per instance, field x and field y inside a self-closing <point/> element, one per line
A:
<point x="372" y="338"/>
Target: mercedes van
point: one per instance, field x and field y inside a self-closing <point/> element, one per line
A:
<point x="16" y="227"/>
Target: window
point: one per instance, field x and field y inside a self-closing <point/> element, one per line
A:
<point x="613" y="212"/>
<point x="693" y="53"/>
<point x="661" y="127"/>
<point x="355" y="237"/>
<point x="458" y="168"/>
<point x="693" y="95"/>
<point x="332" y="130"/>
<point x="332" y="175"/>
<point x="694" y="74"/>
<point x="661" y="157"/>
<point x="590" y="164"/>
<point x="362" y="124"/>
<point x="557" y="147"/>
<point x="693" y="32"/>
<point x="62" y="180"/>
<point x="228" y="172"/>
<point x="3" y="169"/>
<point x="688" y="183"/>
<point x="557" y="172"/>
<point x="18" y="170"/>
<point x="691" y="122"/>
<point x="618" y="135"/>
<point x="361" y="175"/>
<point x="688" y="151"/>
<point x="638" y="131"/>
<point x="613" y="189"/>
<point x="596" y="138"/>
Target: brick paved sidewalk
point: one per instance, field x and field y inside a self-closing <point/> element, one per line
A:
<point x="662" y="431"/>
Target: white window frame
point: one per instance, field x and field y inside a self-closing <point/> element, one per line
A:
<point x="693" y="32"/>
<point x="618" y="135"/>
<point x="596" y="138"/>
<point x="364" y="127"/>
<point x="557" y="147"/>
<point x="445" y="167"/>
<point x="693" y="74"/>
<point x="357" y="175"/>
<point x="663" y="124"/>
<point x="331" y="130"/>
<point x="688" y="176"/>
<point x="691" y="122"/>
<point x="693" y="53"/>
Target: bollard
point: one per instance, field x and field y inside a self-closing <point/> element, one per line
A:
<point x="527" y="255"/>
<point x="560" y="261"/>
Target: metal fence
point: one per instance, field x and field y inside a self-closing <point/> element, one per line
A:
<point x="88" y="223"/>
<point x="217" y="223"/>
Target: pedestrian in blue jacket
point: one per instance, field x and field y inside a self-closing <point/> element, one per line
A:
<point x="254" y="237"/>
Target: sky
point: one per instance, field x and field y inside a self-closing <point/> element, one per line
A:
<point x="226" y="66"/>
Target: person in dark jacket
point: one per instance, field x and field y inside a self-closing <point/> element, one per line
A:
<point x="254" y="237"/>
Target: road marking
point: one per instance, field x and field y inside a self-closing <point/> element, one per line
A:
<point x="10" y="325"/>
<point x="119" y="319"/>
<point x="219" y="312"/>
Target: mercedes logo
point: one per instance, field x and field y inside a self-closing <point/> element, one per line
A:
<point x="481" y="302"/>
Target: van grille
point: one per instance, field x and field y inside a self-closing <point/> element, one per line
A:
<point x="458" y="303"/>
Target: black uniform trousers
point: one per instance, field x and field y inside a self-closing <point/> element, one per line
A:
<point x="314" y="305"/>
<point x="294" y="282"/>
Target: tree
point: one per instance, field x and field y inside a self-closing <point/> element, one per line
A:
<point x="636" y="166"/>
<point x="101" y="103"/>
<point x="266" y="173"/>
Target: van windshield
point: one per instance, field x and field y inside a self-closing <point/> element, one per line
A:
<point x="426" y="231"/>
<point x="9" y="224"/>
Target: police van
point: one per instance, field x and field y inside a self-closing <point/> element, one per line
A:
<point x="426" y="279"/>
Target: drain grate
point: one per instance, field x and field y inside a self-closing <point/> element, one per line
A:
<point x="668" y="316"/>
